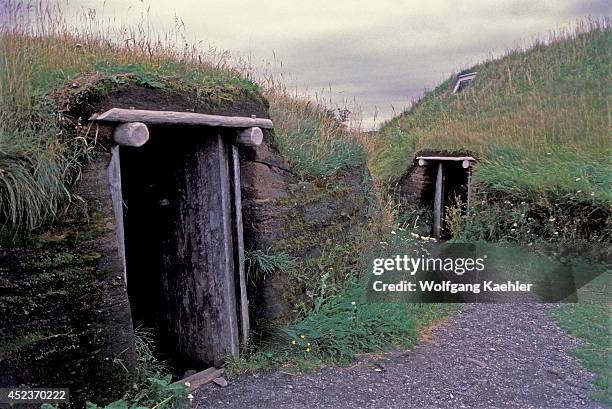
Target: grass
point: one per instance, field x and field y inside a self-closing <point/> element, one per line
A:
<point x="311" y="136"/>
<point x="337" y="320"/>
<point x="538" y="119"/>
<point x="338" y="329"/>
<point x="589" y="320"/>
<point x="259" y="263"/>
<point x="41" y="52"/>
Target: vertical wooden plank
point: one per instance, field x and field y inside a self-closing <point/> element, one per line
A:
<point x="438" y="202"/>
<point x="198" y="252"/>
<point x="114" y="178"/>
<point x="469" y="189"/>
<point x="227" y="265"/>
<point x="243" y="304"/>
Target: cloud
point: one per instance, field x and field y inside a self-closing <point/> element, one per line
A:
<point x="366" y="50"/>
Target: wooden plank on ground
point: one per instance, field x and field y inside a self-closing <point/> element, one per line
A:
<point x="200" y="379"/>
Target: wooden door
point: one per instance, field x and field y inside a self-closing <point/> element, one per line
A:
<point x="185" y="240"/>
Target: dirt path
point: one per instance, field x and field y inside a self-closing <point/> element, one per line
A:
<point x="487" y="356"/>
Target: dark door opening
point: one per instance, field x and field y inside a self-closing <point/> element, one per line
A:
<point x="448" y="186"/>
<point x="180" y="238"/>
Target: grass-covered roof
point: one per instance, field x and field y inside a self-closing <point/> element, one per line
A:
<point x="538" y="119"/>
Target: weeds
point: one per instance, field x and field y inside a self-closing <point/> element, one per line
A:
<point x="153" y="387"/>
<point x="453" y="217"/>
<point x="495" y="218"/>
<point x="338" y="328"/>
<point x="260" y="264"/>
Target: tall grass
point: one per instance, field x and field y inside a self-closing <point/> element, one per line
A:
<point x="538" y="119"/>
<point x="311" y="136"/>
<point x="40" y="51"/>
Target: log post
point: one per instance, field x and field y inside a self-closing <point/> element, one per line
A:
<point x="250" y="136"/>
<point x="131" y="134"/>
<point x="438" y="202"/>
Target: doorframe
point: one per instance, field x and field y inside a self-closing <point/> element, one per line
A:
<point x="130" y="129"/>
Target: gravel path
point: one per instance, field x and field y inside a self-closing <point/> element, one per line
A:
<point x="487" y="356"/>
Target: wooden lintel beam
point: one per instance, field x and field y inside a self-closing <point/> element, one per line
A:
<point x="180" y="118"/>
<point x="466" y="161"/>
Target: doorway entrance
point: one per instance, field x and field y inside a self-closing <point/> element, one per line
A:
<point x="451" y="187"/>
<point x="176" y="191"/>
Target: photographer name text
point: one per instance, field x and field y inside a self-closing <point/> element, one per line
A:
<point x="450" y="287"/>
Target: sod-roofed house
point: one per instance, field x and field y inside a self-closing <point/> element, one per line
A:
<point x="176" y="182"/>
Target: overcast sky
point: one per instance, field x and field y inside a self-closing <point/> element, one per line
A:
<point x="381" y="53"/>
